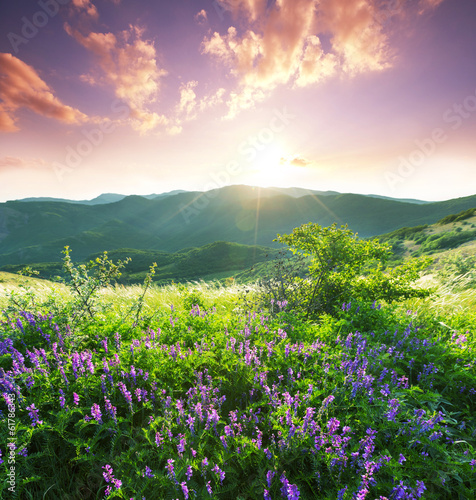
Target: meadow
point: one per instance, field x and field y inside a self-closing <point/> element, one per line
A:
<point x="202" y="391"/>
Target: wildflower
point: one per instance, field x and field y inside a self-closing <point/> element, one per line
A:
<point x="328" y="401"/>
<point x="189" y="472"/>
<point x="184" y="489"/>
<point x="266" y="495"/>
<point x="110" y="409"/>
<point x="341" y="493"/>
<point x="1" y="461"/>
<point x="219" y="472"/>
<point x="181" y="445"/>
<point x="62" y="399"/>
<point x="420" y="488"/>
<point x="76" y="398"/>
<point x="96" y="413"/>
<point x="33" y="413"/>
<point x="401" y="459"/>
<point x="269" y="477"/>
<point x="148" y="472"/>
<point x="109" y="478"/>
<point x="158" y="439"/>
<point x="209" y="488"/>
<point x="170" y="467"/>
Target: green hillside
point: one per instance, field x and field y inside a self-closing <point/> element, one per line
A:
<point x="451" y="232"/>
<point x="37" y="231"/>
<point x="213" y="261"/>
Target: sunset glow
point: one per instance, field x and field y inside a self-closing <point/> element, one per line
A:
<point x="363" y="96"/>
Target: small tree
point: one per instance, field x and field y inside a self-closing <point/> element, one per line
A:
<point x="341" y="267"/>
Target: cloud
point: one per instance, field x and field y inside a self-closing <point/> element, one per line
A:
<point x="315" y="64"/>
<point x="426" y="5"/>
<point x="15" y="163"/>
<point x="201" y="17"/>
<point x="280" y="43"/>
<point x="252" y="9"/>
<point x="357" y="37"/>
<point x="128" y="63"/>
<point x="298" y="161"/>
<point x="87" y="7"/>
<point x="187" y="106"/>
<point x="22" y="87"/>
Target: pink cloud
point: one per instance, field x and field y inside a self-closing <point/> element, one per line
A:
<point x="201" y="17"/>
<point x="281" y="44"/>
<point x="22" y="87"/>
<point x="128" y="63"/>
<point x="87" y="7"/>
<point x="357" y="37"/>
<point x="14" y="163"/>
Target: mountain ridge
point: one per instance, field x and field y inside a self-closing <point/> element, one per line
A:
<point x="37" y="231"/>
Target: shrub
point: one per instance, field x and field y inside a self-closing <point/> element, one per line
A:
<point x="336" y="266"/>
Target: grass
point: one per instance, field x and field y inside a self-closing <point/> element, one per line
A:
<point x="195" y="395"/>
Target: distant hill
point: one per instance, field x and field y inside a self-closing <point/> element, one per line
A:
<point x="451" y="232"/>
<point x="264" y="192"/>
<point x="36" y="231"/>
<point x="101" y="199"/>
<point x="214" y="261"/>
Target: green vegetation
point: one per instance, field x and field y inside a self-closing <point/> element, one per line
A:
<point x="336" y="266"/>
<point x="464" y="215"/>
<point x="219" y="260"/>
<point x="36" y="232"/>
<point x="195" y="392"/>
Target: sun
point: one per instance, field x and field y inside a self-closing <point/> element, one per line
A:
<point x="270" y="168"/>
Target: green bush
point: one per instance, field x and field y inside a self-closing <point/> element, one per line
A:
<point x="336" y="266"/>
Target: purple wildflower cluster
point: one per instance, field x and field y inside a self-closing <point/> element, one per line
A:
<point x="297" y="400"/>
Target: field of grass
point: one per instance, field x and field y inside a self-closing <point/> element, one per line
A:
<point x="192" y="393"/>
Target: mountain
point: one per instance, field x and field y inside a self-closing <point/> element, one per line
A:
<point x="263" y="192"/>
<point x="36" y="231"/>
<point x="103" y="198"/>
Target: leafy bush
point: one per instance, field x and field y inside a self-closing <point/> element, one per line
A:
<point x="336" y="266"/>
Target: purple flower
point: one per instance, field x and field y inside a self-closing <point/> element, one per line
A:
<point x="219" y="472"/>
<point x="110" y="409"/>
<point x="189" y="473"/>
<point x="76" y="398"/>
<point x="269" y="477"/>
<point x="109" y="478"/>
<point x="158" y="439"/>
<point x="148" y="472"/>
<point x="184" y="489"/>
<point x="209" y="488"/>
<point x="96" y="413"/>
<point x="33" y="413"/>
<point x="62" y="400"/>
<point x="170" y="467"/>
<point x="266" y="495"/>
<point x="181" y="445"/>
<point x="401" y="459"/>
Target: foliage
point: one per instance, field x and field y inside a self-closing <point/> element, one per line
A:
<point x="35" y="232"/>
<point x="340" y="267"/>
<point x="372" y="402"/>
<point x="458" y="270"/>
<point x="461" y="216"/>
<point x="86" y="280"/>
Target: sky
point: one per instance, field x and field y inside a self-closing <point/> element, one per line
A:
<point x="149" y="96"/>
